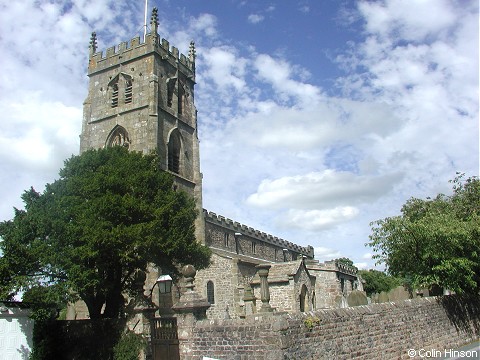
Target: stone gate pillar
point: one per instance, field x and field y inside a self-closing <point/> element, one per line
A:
<point x="262" y="271"/>
<point x="189" y="309"/>
<point x="250" y="301"/>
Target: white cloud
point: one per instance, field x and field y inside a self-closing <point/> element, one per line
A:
<point x="304" y="9"/>
<point x="225" y="68"/>
<point x="205" y="23"/>
<point x="322" y="190"/>
<point x="362" y="265"/>
<point x="413" y="21"/>
<point x="255" y="18"/>
<point x="325" y="254"/>
<point x="279" y="74"/>
<point x="317" y="220"/>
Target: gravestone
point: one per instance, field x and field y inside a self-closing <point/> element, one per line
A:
<point x="357" y="298"/>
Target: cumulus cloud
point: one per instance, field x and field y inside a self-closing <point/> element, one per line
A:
<point x="325" y="254"/>
<point x="362" y="265"/>
<point x="255" y="18"/>
<point x="281" y="74"/>
<point x="322" y="190"/>
<point x="326" y="123"/>
<point x="416" y="21"/>
<point x="317" y="220"/>
<point x="225" y="68"/>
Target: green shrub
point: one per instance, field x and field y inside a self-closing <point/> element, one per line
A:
<point x="129" y="346"/>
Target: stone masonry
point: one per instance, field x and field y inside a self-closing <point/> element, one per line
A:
<point x="376" y="331"/>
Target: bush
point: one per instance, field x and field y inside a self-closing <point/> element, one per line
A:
<point x="129" y="347"/>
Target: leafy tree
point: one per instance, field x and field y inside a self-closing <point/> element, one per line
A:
<point x="434" y="242"/>
<point x="378" y="281"/>
<point x="45" y="301"/>
<point x="109" y="214"/>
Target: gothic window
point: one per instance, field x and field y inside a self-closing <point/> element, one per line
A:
<point x="128" y="91"/>
<point x="174" y="147"/>
<point x="118" y="137"/>
<point x="114" y="95"/>
<point x="210" y="292"/>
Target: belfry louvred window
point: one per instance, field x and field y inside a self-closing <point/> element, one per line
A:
<point x="114" y="100"/>
<point x="128" y="91"/>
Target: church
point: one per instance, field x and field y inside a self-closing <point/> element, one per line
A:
<point x="141" y="96"/>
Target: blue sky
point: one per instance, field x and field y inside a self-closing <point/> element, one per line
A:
<point x="315" y="117"/>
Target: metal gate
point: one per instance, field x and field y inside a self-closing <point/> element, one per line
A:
<point x="164" y="339"/>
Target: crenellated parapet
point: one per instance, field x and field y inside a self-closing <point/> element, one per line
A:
<point x="129" y="50"/>
<point x="256" y="234"/>
<point x="337" y="266"/>
<point x="346" y="269"/>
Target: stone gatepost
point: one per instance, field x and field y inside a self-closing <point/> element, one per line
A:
<point x="142" y="312"/>
<point x="250" y="301"/>
<point x="189" y="309"/>
<point x="262" y="271"/>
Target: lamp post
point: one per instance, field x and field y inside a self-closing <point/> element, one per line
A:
<point x="164" y="284"/>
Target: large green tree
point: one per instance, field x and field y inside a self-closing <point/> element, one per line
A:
<point x="377" y="281"/>
<point x="109" y="214"/>
<point x="434" y="241"/>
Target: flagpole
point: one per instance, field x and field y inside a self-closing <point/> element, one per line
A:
<point x="145" y="23"/>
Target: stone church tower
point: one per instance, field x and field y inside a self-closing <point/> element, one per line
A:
<point x="141" y="96"/>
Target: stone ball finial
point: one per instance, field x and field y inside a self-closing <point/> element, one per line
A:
<point x="189" y="271"/>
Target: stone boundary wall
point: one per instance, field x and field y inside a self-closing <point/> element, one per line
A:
<point x="376" y="331"/>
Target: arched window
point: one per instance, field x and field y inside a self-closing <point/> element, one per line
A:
<point x="118" y="137"/>
<point x="210" y="292"/>
<point x="174" y="147"/>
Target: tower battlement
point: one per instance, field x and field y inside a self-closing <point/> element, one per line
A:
<point x="129" y="50"/>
